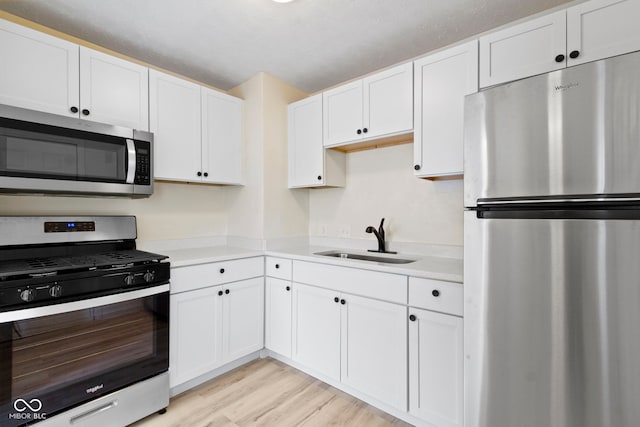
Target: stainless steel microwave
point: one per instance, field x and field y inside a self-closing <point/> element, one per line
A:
<point x="46" y="153"/>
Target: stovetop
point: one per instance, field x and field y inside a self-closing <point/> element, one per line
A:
<point x="51" y="265"/>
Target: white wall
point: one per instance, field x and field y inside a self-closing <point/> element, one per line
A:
<point x="380" y="183"/>
<point x="174" y="210"/>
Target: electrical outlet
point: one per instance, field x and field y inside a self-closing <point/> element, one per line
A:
<point x="344" y="231"/>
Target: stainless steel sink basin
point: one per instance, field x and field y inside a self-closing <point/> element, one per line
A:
<point x="361" y="257"/>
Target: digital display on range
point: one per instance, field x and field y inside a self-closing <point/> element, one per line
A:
<point x="64" y="226"/>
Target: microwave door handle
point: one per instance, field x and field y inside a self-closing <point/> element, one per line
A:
<point x="131" y="164"/>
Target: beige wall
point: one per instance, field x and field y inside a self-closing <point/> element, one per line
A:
<point x="173" y="211"/>
<point x="380" y="183"/>
<point x="264" y="208"/>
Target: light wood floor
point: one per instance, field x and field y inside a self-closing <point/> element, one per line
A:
<point x="267" y="392"/>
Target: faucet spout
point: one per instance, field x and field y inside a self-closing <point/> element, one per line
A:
<point x="379" y="233"/>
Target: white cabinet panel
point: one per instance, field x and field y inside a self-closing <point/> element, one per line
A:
<point x="436" y="295"/>
<point x="38" y="71"/>
<point x="436" y="368"/>
<point x="278" y="315"/>
<point x="221" y="138"/>
<point x="342" y="113"/>
<point x="195" y="334"/>
<point x="441" y="82"/>
<point x="316" y="329"/>
<point x="243" y="318"/>
<point x="215" y="273"/>
<point x="534" y="47"/>
<point x="374" y="349"/>
<point x="602" y="28"/>
<point x="174" y="118"/>
<point x="388" y="102"/>
<point x="278" y="267"/>
<point x="113" y="90"/>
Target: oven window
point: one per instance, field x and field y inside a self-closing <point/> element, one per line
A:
<point x="66" y="359"/>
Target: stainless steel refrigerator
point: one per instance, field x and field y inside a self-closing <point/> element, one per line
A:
<point x="552" y="249"/>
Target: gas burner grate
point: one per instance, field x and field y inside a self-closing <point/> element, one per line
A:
<point x="42" y="263"/>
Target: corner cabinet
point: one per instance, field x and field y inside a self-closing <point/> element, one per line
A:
<point x="197" y="131"/>
<point x="585" y="32"/>
<point x="442" y="80"/>
<point x="377" y="106"/>
<point x="45" y="73"/>
<point x="278" y="300"/>
<point x="310" y="164"/>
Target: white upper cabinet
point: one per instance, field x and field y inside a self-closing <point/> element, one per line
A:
<point x="221" y="138"/>
<point x="585" y="32"/>
<point x="197" y="131"/>
<point x="602" y="28"/>
<point x="441" y="82"/>
<point x="45" y="73"/>
<point x="534" y="47"/>
<point x="113" y="90"/>
<point x="38" y="71"/>
<point x="373" y="107"/>
<point x="310" y="164"/>
<point x="174" y="118"/>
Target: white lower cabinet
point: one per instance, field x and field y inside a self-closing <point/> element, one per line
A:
<point x="212" y="326"/>
<point x="374" y="348"/>
<point x="278" y="316"/>
<point x="316" y="329"/>
<point x="436" y="368"/>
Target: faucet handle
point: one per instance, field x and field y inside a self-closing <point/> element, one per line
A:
<point x="381" y="223"/>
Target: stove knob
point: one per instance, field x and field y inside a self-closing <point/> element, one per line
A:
<point x="27" y="295"/>
<point x="149" y="276"/>
<point x="129" y="279"/>
<point x="55" y="291"/>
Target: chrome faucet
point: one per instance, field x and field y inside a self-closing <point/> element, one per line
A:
<point x="379" y="233"/>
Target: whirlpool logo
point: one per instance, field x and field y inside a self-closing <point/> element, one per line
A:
<point x="27" y="410"/>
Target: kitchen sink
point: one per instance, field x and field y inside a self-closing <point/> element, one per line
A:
<point x="362" y="257"/>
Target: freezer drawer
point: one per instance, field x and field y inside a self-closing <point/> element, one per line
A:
<point x="552" y="322"/>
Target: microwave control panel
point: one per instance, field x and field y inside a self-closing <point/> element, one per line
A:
<point x="143" y="163"/>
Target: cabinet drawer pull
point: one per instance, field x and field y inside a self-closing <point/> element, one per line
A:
<point x="560" y="58"/>
<point x="199" y="173"/>
<point x="288" y="288"/>
<point x="365" y="130"/>
<point x="336" y="299"/>
<point x="574" y="54"/>
<point x="343" y="302"/>
<point x="74" y="109"/>
<point x="417" y="167"/>
<point x="277" y="265"/>
<point x="85" y="112"/>
<point x="219" y="293"/>
<point x="319" y="177"/>
<point x="412" y="317"/>
<point x="206" y="174"/>
<point x="359" y="131"/>
<point x="227" y="291"/>
<point x="222" y="271"/>
<point x="435" y="293"/>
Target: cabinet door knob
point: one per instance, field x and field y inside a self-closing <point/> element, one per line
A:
<point x="417" y="167"/>
<point x="85" y="112"/>
<point x="222" y="271"/>
<point x="74" y="109"/>
<point x="343" y="302"/>
<point x="412" y="318"/>
<point x="336" y="299"/>
<point x="365" y="130"/>
<point x="319" y="177"/>
<point x="277" y="265"/>
<point x="359" y="131"/>
<point x="574" y="54"/>
<point x="288" y="288"/>
<point x="435" y="293"/>
<point x="220" y="293"/>
<point x="206" y="174"/>
<point x="560" y="58"/>
<point x="199" y="173"/>
<point x="227" y="291"/>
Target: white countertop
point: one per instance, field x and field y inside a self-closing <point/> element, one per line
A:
<point x="430" y="267"/>
<point x="425" y="265"/>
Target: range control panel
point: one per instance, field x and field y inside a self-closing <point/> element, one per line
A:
<point x="65" y="227"/>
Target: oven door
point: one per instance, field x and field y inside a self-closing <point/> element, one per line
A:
<point x="55" y="357"/>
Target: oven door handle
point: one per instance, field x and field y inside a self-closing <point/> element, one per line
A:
<point x="49" y="310"/>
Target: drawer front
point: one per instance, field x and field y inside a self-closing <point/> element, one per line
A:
<point x="372" y="284"/>
<point x="436" y="295"/>
<point x="279" y="268"/>
<point x="215" y="273"/>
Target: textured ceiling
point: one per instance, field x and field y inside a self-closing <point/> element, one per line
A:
<point x="311" y="44"/>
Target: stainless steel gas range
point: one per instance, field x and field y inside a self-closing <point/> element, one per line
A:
<point x="84" y="323"/>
